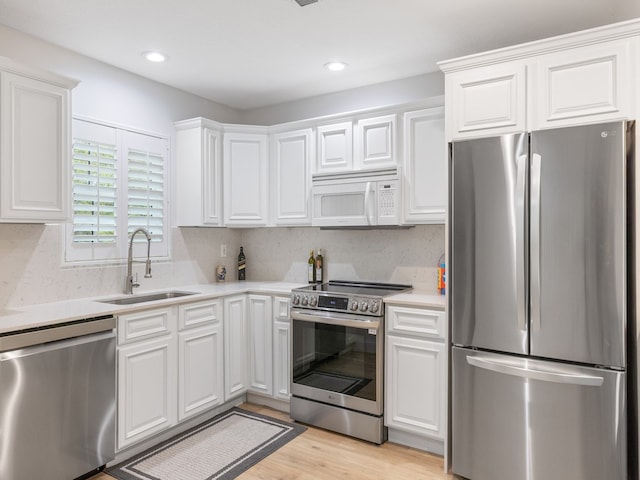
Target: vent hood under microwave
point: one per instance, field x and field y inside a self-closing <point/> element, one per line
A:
<point x="356" y="199"/>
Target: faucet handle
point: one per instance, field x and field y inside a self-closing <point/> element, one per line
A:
<point x="134" y="281"/>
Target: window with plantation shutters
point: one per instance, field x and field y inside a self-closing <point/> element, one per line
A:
<point x="119" y="179"/>
<point x="94" y="191"/>
<point x="145" y="193"/>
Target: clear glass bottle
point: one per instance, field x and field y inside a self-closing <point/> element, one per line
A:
<point x="319" y="267"/>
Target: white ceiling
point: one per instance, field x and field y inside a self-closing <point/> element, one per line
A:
<point x="253" y="53"/>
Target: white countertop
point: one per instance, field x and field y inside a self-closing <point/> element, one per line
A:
<point x="34" y="316"/>
<point x="417" y="298"/>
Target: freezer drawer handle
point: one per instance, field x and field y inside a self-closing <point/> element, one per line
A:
<point x="532" y="373"/>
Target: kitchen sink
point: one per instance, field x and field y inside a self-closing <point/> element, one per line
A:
<point x="133" y="299"/>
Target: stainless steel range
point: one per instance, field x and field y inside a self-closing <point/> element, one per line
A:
<point x="338" y="356"/>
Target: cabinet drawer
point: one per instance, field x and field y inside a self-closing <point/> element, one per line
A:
<point x="198" y="314"/>
<point x="138" y="326"/>
<point x="416" y="322"/>
<point x="281" y="308"/>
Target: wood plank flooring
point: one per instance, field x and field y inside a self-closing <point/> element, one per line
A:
<point x="321" y="455"/>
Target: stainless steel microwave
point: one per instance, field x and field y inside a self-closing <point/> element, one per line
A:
<point x="357" y="199"/>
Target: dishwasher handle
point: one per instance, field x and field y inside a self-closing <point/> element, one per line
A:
<point x="15" y="341"/>
<point x="57" y="345"/>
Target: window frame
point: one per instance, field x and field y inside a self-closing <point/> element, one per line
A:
<point x="125" y="138"/>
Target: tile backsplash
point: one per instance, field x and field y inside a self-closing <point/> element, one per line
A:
<point x="33" y="269"/>
<point x="395" y="255"/>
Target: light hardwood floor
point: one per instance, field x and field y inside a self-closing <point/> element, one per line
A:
<point x="321" y="455"/>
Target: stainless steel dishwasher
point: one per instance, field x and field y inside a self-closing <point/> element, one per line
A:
<point x="57" y="400"/>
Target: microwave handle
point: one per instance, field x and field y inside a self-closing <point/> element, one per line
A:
<point x="367" y="202"/>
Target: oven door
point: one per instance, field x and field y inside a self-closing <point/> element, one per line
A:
<point x="338" y="359"/>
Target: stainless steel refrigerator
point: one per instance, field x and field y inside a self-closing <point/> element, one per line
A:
<point x="539" y="280"/>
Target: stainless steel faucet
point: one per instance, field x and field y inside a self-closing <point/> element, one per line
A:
<point x="129" y="283"/>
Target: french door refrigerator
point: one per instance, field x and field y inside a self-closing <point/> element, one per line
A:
<point x="538" y="303"/>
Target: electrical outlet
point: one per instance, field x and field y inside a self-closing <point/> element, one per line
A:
<point x="223" y="250"/>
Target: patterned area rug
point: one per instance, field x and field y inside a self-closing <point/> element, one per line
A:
<point x="220" y="448"/>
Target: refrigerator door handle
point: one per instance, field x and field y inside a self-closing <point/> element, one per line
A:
<point x="520" y="228"/>
<point x="536" y="171"/>
<point x="557" y="376"/>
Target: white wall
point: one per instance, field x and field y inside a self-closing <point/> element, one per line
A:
<point x="33" y="270"/>
<point x="408" y="90"/>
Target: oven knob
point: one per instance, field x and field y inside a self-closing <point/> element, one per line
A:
<point x="363" y="306"/>
<point x="354" y="306"/>
<point x="313" y="301"/>
<point x="305" y="300"/>
<point x="296" y="299"/>
<point x="373" y="307"/>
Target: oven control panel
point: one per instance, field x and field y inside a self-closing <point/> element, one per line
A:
<point x="350" y="304"/>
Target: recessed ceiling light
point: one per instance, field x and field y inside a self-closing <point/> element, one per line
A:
<point x="155" y="57"/>
<point x="335" y="66"/>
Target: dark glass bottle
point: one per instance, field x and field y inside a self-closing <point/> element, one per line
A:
<point x="242" y="261"/>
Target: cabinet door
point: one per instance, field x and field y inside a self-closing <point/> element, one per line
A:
<point x="486" y="101"/>
<point x="245" y="179"/>
<point x="235" y="346"/>
<point x="146" y="389"/>
<point x="281" y="348"/>
<point x="375" y="143"/>
<point x="212" y="178"/>
<point x="415" y="399"/>
<point x="335" y="148"/>
<point x="199" y="173"/>
<point x="425" y="166"/>
<point x="35" y="154"/>
<point x="260" y="344"/>
<point x="291" y="177"/>
<point x="587" y="84"/>
<point x="200" y="370"/>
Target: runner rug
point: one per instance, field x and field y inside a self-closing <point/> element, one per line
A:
<point x="220" y="448"/>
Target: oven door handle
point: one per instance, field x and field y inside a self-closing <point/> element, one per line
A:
<point x="332" y="320"/>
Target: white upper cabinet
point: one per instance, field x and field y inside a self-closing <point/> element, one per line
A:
<point x="584" y="77"/>
<point x="335" y="148"/>
<point x="199" y="173"/>
<point x="583" y="84"/>
<point x="425" y="166"/>
<point x="375" y="142"/>
<point x="487" y="99"/>
<point x="35" y="145"/>
<point x="246" y="181"/>
<point x="291" y="161"/>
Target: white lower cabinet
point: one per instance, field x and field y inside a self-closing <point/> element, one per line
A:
<point x="170" y="367"/>
<point x="235" y="346"/>
<point x="180" y="361"/>
<point x="281" y="348"/>
<point x="269" y="349"/>
<point x="146" y="388"/>
<point x="200" y="358"/>
<point x="260" y="345"/>
<point x="415" y="382"/>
